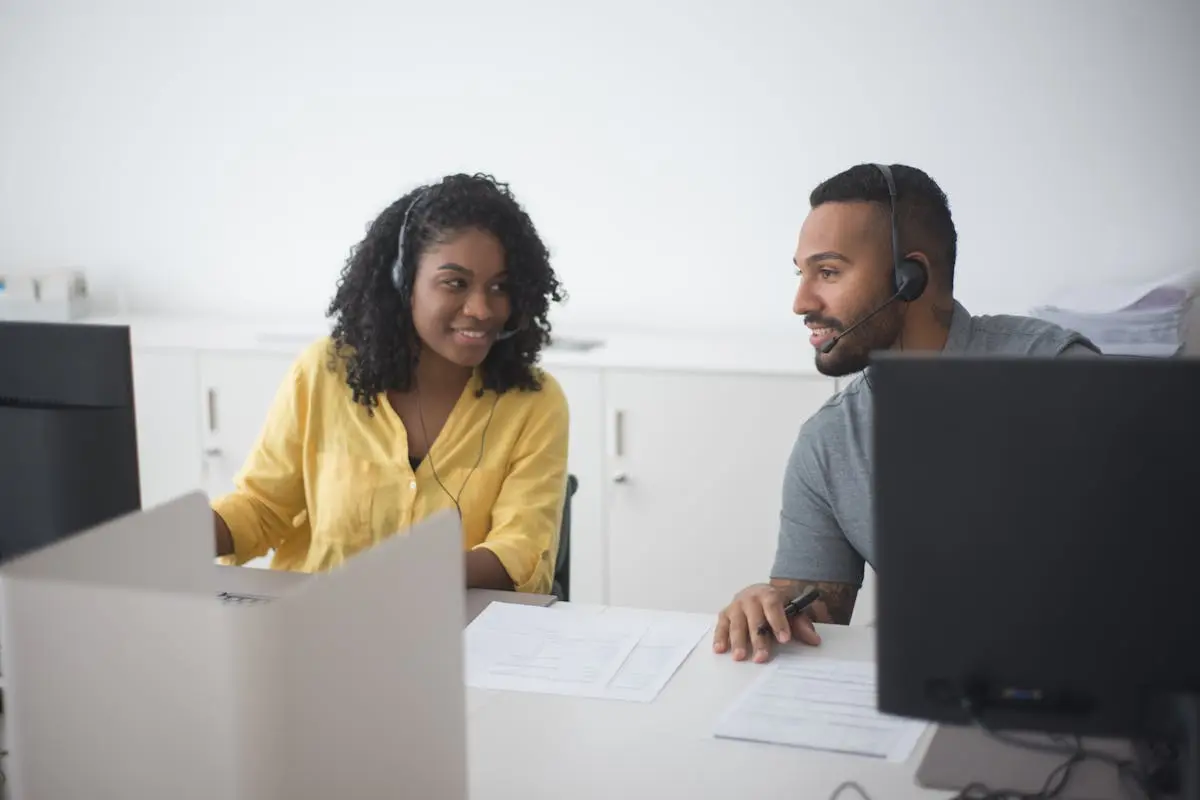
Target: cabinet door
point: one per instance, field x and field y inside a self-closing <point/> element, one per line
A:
<point x="864" y="605"/>
<point x="168" y="423"/>
<point x="584" y="393"/>
<point x="695" y="471"/>
<point x="235" y="392"/>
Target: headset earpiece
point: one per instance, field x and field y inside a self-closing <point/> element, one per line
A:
<point x="911" y="279"/>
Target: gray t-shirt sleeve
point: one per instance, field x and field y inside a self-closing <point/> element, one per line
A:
<point x="1079" y="349"/>
<point x="812" y="546"/>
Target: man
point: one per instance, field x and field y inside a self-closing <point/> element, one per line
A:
<point x="847" y="271"/>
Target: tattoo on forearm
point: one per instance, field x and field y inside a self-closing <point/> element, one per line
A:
<point x="836" y="604"/>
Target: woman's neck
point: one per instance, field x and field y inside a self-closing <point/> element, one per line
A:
<point x="436" y="376"/>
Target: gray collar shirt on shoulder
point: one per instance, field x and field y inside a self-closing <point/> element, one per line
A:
<point x="825" y="526"/>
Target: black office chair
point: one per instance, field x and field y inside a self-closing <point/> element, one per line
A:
<point x="562" y="565"/>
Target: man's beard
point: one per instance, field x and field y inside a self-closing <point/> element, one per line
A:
<point x="853" y="353"/>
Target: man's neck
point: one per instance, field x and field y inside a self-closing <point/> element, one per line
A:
<point x="927" y="326"/>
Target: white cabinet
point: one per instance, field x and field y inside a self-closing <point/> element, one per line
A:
<point x="235" y="392"/>
<point x="694" y="477"/>
<point x="168" y="427"/>
<point x="584" y="392"/>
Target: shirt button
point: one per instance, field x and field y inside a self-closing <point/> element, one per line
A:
<point x="412" y="485"/>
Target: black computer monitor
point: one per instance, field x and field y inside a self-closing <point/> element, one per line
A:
<point x="68" y="441"/>
<point x="1038" y="543"/>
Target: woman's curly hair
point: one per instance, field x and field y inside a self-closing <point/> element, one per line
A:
<point x="374" y="332"/>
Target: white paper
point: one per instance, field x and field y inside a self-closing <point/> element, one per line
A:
<point x="523" y="648"/>
<point x="1106" y="297"/>
<point x="1147" y="318"/>
<point x="819" y="703"/>
<point x="666" y="644"/>
<point x="616" y="656"/>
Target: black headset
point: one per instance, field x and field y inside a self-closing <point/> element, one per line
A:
<point x="909" y="275"/>
<point x="400" y="278"/>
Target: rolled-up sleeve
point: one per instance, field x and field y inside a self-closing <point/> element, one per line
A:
<point x="529" y="509"/>
<point x="812" y="546"/>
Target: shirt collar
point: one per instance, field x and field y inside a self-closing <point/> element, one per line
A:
<point x="960" y="330"/>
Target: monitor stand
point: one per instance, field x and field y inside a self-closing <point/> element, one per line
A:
<point x="1187" y="718"/>
<point x="960" y="756"/>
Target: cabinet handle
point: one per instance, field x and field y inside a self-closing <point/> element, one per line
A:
<point x="213" y="452"/>
<point x="617" y="434"/>
<point x="619" y="477"/>
<point x="212" y="410"/>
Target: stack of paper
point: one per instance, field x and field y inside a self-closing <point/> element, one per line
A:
<point x="819" y="703"/>
<point x="1140" y="319"/>
<point x="615" y="655"/>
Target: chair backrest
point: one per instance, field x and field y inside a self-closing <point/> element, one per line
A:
<point x="562" y="564"/>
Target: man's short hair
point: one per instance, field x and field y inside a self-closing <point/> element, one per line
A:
<point x="922" y="210"/>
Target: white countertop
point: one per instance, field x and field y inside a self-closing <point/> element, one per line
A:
<point x="764" y="354"/>
<point x="536" y="746"/>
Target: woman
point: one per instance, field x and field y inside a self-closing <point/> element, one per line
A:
<point x="424" y="398"/>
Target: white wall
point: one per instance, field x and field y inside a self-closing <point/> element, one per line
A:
<point x="225" y="155"/>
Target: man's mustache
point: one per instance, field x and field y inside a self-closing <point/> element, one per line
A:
<point x="823" y="322"/>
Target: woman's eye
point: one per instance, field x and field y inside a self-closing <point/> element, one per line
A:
<point x="455" y="283"/>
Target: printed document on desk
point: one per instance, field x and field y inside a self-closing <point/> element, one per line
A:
<point x="616" y="656"/>
<point x="825" y="704"/>
<point x="669" y="639"/>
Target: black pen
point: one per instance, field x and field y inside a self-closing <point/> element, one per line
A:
<point x="793" y="608"/>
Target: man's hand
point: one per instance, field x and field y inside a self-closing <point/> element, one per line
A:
<point x="737" y="625"/>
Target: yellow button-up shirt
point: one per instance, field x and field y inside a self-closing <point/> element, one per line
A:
<point x="326" y="480"/>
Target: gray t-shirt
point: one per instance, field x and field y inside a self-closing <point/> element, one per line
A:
<point x="825" y="531"/>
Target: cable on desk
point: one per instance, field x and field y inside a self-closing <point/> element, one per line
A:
<point x="1056" y="781"/>
<point x="1060" y="776"/>
<point x="847" y="786"/>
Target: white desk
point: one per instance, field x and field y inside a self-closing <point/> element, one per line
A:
<point x="532" y="746"/>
